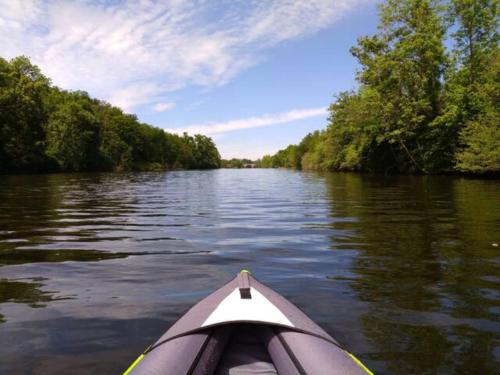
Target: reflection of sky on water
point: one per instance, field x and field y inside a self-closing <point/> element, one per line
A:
<point x="393" y="267"/>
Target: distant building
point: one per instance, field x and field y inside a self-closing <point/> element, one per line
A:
<point x="249" y="165"/>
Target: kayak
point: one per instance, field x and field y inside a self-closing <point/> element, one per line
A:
<point x="245" y="328"/>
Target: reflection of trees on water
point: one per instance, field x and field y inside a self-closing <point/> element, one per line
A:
<point x="44" y="217"/>
<point x="28" y="204"/>
<point x="8" y="258"/>
<point x="425" y="267"/>
<point x="23" y="291"/>
<point x="38" y="213"/>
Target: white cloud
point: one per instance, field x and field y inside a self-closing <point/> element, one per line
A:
<point x="133" y="95"/>
<point x="130" y="52"/>
<point x="252" y="122"/>
<point x="162" y="107"/>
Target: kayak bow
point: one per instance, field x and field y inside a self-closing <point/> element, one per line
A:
<point x="245" y="328"/>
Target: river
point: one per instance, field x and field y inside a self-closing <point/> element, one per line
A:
<point x="404" y="271"/>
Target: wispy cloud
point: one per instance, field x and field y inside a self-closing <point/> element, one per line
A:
<point x="162" y="107"/>
<point x="132" y="52"/>
<point x="134" y="94"/>
<point x="252" y="122"/>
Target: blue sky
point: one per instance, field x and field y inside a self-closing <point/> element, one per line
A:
<point x="253" y="75"/>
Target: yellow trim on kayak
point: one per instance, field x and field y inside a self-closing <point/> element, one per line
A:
<point x="244" y="271"/>
<point x="129" y="370"/>
<point x="360" y="364"/>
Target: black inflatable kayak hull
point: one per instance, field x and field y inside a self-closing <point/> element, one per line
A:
<point x="245" y="328"/>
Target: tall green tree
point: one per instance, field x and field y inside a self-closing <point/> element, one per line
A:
<point x="116" y="153"/>
<point x="72" y="135"/>
<point x="479" y="150"/>
<point x="473" y="109"/>
<point x="205" y="152"/>
<point x="476" y="38"/>
<point x="22" y="115"/>
<point x="313" y="157"/>
<point x="404" y="64"/>
<point x="353" y="133"/>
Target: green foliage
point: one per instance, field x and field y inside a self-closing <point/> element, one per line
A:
<point x="419" y="108"/>
<point x="313" y="148"/>
<point x="481" y="153"/>
<point x="479" y="150"/>
<point x="72" y="136"/>
<point x="353" y="131"/>
<point x="474" y="85"/>
<point x="403" y="64"/>
<point x="266" y="162"/>
<point x="239" y="163"/>
<point x="22" y="115"/>
<point x="476" y="35"/>
<point x="292" y="156"/>
<point x="206" y="155"/>
<point x="233" y="163"/>
<point x="43" y="128"/>
<point x="115" y="151"/>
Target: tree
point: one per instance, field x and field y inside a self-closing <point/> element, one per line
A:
<point x="72" y="136"/>
<point x="22" y="115"/>
<point x="353" y="132"/>
<point x="404" y="65"/>
<point x="479" y="150"/>
<point x="482" y="151"/>
<point x="474" y="85"/>
<point x="116" y="153"/>
<point x="205" y="153"/>
<point x="476" y="36"/>
<point x="266" y="162"/>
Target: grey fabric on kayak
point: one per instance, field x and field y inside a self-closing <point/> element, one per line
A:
<point x="246" y="354"/>
<point x="246" y="328"/>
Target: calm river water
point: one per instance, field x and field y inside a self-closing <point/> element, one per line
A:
<point x="403" y="271"/>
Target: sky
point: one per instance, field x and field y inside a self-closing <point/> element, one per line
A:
<point x="255" y="75"/>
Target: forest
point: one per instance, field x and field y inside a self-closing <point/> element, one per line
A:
<point x="46" y="129"/>
<point x="427" y="99"/>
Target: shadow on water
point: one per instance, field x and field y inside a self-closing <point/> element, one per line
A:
<point x="427" y="269"/>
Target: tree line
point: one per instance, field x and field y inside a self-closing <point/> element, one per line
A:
<point x="237" y="163"/>
<point x="44" y="128"/>
<point x="427" y="99"/>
